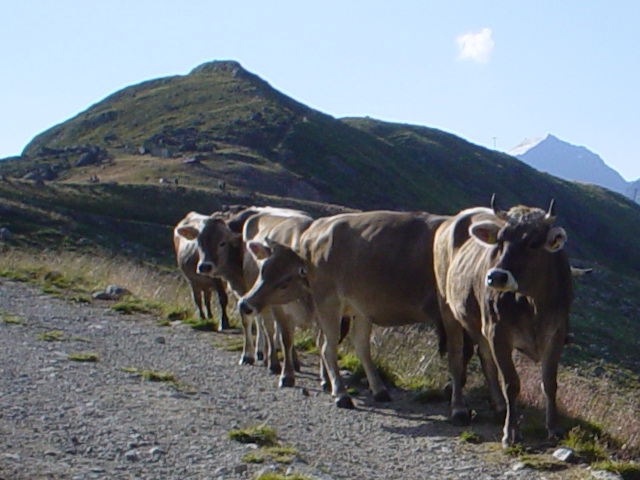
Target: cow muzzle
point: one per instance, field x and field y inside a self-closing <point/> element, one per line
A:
<point x="205" y="269"/>
<point x="501" y="280"/>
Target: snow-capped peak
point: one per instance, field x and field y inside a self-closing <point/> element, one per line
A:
<point x="525" y="145"/>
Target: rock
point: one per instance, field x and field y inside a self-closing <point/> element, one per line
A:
<point x="112" y="292"/>
<point x="240" y="469"/>
<point x="565" y="454"/>
<point x="132" y="456"/>
<point x="156" y="451"/>
<point x="160" y="340"/>
<point x="5" y="233"/>
<point x="605" y="475"/>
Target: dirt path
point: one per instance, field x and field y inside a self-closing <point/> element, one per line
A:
<point x="61" y="419"/>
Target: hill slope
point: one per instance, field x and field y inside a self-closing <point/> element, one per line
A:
<point x="220" y="123"/>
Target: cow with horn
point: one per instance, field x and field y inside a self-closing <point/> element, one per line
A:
<point x="504" y="278"/>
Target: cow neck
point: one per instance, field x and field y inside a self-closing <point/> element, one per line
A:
<point x="236" y="273"/>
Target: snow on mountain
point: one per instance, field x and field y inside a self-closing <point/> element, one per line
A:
<point x="570" y="162"/>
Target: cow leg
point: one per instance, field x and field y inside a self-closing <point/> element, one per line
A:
<point x="493" y="382"/>
<point x="361" y="339"/>
<point x="457" y="368"/>
<point x="329" y="320"/>
<point x="287" y="329"/>
<point x="509" y="381"/>
<point x="550" y="384"/>
<point x="223" y="300"/>
<point x="325" y="381"/>
<point x="270" y="336"/>
<point x="196" y="295"/>
<point x="248" y="346"/>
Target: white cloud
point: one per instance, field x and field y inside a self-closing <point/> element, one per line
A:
<point x="476" y="46"/>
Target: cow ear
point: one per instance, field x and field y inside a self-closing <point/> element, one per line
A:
<point x="556" y="239"/>
<point x="485" y="232"/>
<point x="259" y="250"/>
<point x="188" y="232"/>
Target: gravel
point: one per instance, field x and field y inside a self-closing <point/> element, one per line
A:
<point x="61" y="419"/>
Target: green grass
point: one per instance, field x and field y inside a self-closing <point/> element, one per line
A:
<point x="280" y="476"/>
<point x="261" y="435"/>
<point x="277" y="454"/>
<point x="587" y="443"/>
<point x="11" y="319"/>
<point x="150" y="375"/>
<point x="83" y="357"/>
<point x="52" y="336"/>
<point x="470" y="437"/>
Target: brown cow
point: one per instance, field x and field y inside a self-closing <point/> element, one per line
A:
<point x="504" y="278"/>
<point x="201" y="286"/>
<point x="222" y="253"/>
<point x="376" y="267"/>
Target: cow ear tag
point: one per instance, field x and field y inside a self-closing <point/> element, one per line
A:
<point x="259" y="251"/>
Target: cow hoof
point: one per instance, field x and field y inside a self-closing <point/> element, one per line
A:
<point x="461" y="418"/>
<point x="382" y="396"/>
<point x="287" y="382"/>
<point x="326" y="386"/>
<point x="345" y="402"/>
<point x="246" y="361"/>
<point x="274" y="369"/>
<point x="223" y="325"/>
<point x="259" y="356"/>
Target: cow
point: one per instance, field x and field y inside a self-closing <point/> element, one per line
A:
<point x="202" y="286"/>
<point x="222" y="253"/>
<point x="374" y="267"/>
<point x="504" y="279"/>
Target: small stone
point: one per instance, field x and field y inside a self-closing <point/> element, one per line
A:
<point x="305" y="392"/>
<point x="518" y="466"/>
<point x="132" y="456"/>
<point x="565" y="454"/>
<point x="160" y="340"/>
<point x="156" y="451"/>
<point x="605" y="475"/>
<point x="240" y="469"/>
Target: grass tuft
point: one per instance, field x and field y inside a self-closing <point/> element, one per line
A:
<point x="587" y="443"/>
<point x="470" y="437"/>
<point x="627" y="470"/>
<point x="83" y="357"/>
<point x="11" y="319"/>
<point x="149" y="375"/>
<point x="283" y="455"/>
<point x="260" y="435"/>
<point x="52" y="336"/>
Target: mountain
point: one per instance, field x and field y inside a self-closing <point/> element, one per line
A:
<point x="221" y="134"/>
<point x="570" y="162"/>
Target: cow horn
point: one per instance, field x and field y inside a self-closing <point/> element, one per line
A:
<point x="550" y="217"/>
<point x="496" y="211"/>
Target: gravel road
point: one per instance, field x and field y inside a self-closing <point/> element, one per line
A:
<point x="61" y="419"/>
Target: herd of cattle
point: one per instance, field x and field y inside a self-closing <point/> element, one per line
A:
<point x="489" y="280"/>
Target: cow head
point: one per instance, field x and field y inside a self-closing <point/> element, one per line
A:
<point x="523" y="243"/>
<point x="282" y="278"/>
<point x="217" y="244"/>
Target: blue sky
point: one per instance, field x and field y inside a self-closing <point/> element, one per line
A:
<point x="492" y="72"/>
